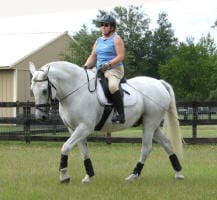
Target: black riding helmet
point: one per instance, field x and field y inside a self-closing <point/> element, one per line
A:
<point x="108" y="19"/>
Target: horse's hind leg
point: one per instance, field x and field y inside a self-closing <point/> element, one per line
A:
<point x="161" y="139"/>
<point x="87" y="162"/>
<point x="148" y="132"/>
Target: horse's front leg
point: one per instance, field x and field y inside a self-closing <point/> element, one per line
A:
<point x="87" y="162"/>
<point x="81" y="132"/>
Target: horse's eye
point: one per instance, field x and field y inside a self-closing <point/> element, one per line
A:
<point x="44" y="92"/>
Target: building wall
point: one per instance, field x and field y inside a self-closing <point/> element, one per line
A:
<point x="49" y="53"/>
<point x="7" y="85"/>
<point x="7" y="91"/>
<point x="15" y="81"/>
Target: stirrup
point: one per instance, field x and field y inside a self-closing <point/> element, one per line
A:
<point x="118" y="119"/>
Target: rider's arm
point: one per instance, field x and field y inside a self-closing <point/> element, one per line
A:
<point x="120" y="51"/>
<point x="92" y="58"/>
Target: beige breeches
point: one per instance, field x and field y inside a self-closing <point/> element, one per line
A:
<point x="114" y="77"/>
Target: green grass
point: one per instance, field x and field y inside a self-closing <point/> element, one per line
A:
<point x="30" y="171"/>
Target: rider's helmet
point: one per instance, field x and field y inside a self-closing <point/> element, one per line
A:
<point x="108" y="19"/>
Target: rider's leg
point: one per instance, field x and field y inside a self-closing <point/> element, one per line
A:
<point x="117" y="99"/>
<point x="114" y="76"/>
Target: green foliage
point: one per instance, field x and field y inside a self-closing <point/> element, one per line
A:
<point x="215" y="24"/>
<point x="133" y="27"/>
<point x="192" y="71"/>
<point x="79" y="49"/>
<point x="163" y="45"/>
<point x="144" y="50"/>
<point x="190" y="68"/>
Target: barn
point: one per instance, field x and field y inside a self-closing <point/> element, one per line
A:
<point x="16" y="51"/>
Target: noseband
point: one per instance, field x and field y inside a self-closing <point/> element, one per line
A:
<point x="46" y="107"/>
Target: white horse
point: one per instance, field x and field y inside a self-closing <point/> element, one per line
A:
<point x="81" y="111"/>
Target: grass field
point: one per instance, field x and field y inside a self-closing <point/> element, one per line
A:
<point x="30" y="172"/>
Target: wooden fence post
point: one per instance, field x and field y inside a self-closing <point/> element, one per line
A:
<point x="17" y="109"/>
<point x="108" y="138"/>
<point x="27" y="120"/>
<point x="194" y="120"/>
<point x="27" y="130"/>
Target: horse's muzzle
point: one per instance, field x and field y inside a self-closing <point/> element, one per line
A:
<point x="42" y="116"/>
<point x="42" y="112"/>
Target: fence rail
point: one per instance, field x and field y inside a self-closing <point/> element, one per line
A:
<point x="190" y="113"/>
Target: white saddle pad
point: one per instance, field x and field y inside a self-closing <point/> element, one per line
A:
<point x="129" y="99"/>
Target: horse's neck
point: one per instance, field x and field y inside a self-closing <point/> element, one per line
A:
<point x="67" y="79"/>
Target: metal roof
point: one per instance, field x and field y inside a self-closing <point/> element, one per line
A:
<point x="14" y="47"/>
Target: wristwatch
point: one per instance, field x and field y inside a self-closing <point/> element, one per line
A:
<point x="109" y="65"/>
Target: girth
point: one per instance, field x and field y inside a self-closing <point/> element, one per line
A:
<point x="106" y="113"/>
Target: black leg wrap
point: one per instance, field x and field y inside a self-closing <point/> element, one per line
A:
<point x="89" y="167"/>
<point x="138" y="168"/>
<point x="63" y="161"/>
<point x="175" y="163"/>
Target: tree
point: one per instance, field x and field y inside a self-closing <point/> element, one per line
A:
<point x="215" y="24"/>
<point x="192" y="71"/>
<point x="80" y="47"/>
<point x="133" y="27"/>
<point x="144" y="50"/>
<point x="163" y="45"/>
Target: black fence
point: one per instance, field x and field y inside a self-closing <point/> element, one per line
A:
<point x="20" y="123"/>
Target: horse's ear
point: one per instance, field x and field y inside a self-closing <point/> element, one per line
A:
<point x="32" y="67"/>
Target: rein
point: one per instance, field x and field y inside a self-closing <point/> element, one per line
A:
<point x="46" y="107"/>
<point x="88" y="81"/>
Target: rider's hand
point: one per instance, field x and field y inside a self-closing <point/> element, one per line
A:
<point x="85" y="67"/>
<point x="105" y="67"/>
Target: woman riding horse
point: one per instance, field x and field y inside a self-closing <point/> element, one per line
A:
<point x="109" y="51"/>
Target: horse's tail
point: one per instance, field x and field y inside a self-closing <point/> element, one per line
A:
<point x="171" y="123"/>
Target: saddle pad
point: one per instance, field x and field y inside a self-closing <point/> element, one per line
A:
<point x="129" y="99"/>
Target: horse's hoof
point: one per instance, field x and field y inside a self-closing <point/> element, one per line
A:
<point x="179" y="176"/>
<point x="64" y="177"/>
<point x="132" y="177"/>
<point x="86" y="179"/>
<point x="65" y="180"/>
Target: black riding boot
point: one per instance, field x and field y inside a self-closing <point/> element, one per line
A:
<point x="119" y="116"/>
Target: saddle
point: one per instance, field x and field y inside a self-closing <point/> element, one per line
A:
<point x="104" y="95"/>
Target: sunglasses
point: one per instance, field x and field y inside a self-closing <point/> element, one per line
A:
<point x="104" y="24"/>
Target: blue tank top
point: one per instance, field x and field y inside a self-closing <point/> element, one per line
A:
<point x="105" y="50"/>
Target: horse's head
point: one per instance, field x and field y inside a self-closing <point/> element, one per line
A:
<point x="43" y="90"/>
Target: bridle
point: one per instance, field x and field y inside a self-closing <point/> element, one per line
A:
<point x="51" y="103"/>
